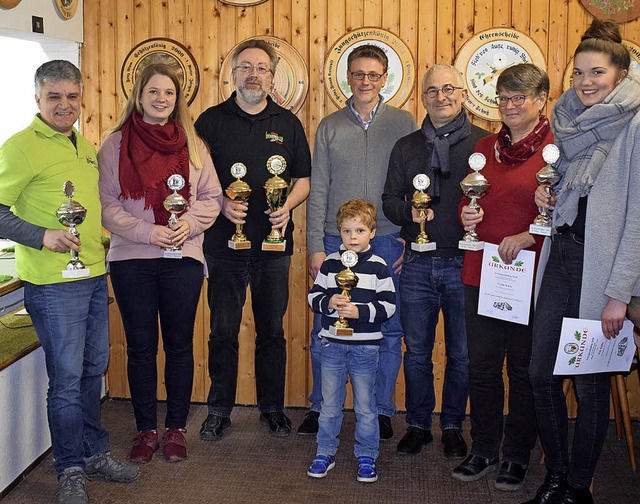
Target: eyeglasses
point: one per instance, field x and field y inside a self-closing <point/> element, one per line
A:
<point x="447" y="90"/>
<point x="517" y="100"/>
<point x="373" y="77"/>
<point x="249" y="68"/>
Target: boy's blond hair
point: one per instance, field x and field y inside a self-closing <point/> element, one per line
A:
<point x="359" y="209"/>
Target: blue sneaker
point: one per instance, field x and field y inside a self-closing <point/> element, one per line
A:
<point x="321" y="465"/>
<point x="367" y="470"/>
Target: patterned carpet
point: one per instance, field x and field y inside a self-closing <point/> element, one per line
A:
<point x="250" y="466"/>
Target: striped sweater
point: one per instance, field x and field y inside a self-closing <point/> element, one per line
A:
<point x="374" y="296"/>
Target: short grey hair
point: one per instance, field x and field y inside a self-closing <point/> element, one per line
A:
<point x="57" y="70"/>
<point x="441" y="66"/>
<point x="256" y="44"/>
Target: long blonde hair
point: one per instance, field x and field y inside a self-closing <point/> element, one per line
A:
<point x="180" y="112"/>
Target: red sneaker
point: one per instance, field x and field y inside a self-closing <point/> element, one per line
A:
<point x="174" y="445"/>
<point x="144" y="446"/>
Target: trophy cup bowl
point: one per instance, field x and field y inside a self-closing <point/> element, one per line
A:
<point x="346" y="280"/>
<point x="548" y="177"/>
<point x="238" y="190"/>
<point x="175" y="203"/>
<point x="71" y="214"/>
<point x="474" y="186"/>
<point x="276" y="191"/>
<point x="421" y="201"/>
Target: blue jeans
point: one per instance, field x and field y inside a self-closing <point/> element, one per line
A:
<point x="71" y="320"/>
<point x="268" y="279"/>
<point x="427" y="285"/>
<point x="560" y="297"/>
<point x="144" y="289"/>
<point x="390" y="249"/>
<point x="359" y="363"/>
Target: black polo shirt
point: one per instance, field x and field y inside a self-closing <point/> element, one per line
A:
<point x="235" y="136"/>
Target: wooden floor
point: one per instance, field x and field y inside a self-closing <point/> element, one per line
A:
<point x="250" y="466"/>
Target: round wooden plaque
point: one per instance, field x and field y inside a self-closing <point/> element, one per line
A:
<point x="620" y="11"/>
<point x="67" y="8"/>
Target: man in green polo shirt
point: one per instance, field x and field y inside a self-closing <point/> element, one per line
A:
<point x="68" y="307"/>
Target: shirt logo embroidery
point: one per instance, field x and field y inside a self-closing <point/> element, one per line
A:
<point x="274" y="137"/>
<point x="92" y="162"/>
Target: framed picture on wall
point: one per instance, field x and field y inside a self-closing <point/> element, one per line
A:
<point x="620" y="11"/>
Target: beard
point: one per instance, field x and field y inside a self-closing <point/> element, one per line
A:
<point x="253" y="96"/>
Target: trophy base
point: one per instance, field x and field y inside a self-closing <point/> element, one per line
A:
<point x="540" y="230"/>
<point x="423" y="247"/>
<point x="470" y="245"/>
<point x="340" y="331"/>
<point x="241" y="245"/>
<point x="76" y="273"/>
<point x="274" y="247"/>
<point x="172" y="254"/>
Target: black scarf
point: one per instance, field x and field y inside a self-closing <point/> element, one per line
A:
<point x="440" y="140"/>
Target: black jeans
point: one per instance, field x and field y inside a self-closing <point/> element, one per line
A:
<point x="560" y="297"/>
<point x="268" y="279"/>
<point x="489" y="340"/>
<point x="145" y="288"/>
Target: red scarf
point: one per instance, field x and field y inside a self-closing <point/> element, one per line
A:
<point x="149" y="154"/>
<point x="517" y="153"/>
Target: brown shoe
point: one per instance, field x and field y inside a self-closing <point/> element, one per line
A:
<point x="145" y="445"/>
<point x="174" y="445"/>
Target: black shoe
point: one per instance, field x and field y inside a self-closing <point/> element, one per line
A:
<point x="386" y="430"/>
<point x="413" y="440"/>
<point x="551" y="491"/>
<point x="454" y="444"/>
<point x="577" y="496"/>
<point x="474" y="467"/>
<point x="309" y="425"/>
<point x="511" y="476"/>
<point x="278" y="423"/>
<point x="213" y="427"/>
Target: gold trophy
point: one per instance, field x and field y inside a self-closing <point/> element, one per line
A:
<point x="70" y="214"/>
<point x="422" y="201"/>
<point x="276" y="190"/>
<point x="346" y="280"/>
<point x="176" y="204"/>
<point x="549" y="178"/>
<point x="239" y="190"/>
<point x="474" y="186"/>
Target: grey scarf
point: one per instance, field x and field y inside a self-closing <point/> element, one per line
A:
<point x="585" y="136"/>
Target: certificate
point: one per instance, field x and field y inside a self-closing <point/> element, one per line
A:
<point x="583" y="349"/>
<point x="505" y="289"/>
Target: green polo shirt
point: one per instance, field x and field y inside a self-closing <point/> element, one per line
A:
<point x="34" y="165"/>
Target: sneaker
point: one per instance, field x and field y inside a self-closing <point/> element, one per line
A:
<point x="278" y="423"/>
<point x="72" y="487"/>
<point x="367" y="470"/>
<point x="454" y="444"/>
<point x="213" y="427"/>
<point x="309" y="425"/>
<point x="386" y="430"/>
<point x="106" y="466"/>
<point x="511" y="476"/>
<point x="474" y="467"/>
<point x="174" y="445"/>
<point x="145" y="445"/>
<point x="321" y="465"/>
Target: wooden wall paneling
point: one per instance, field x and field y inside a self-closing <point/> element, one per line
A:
<point x="372" y="13"/>
<point x="266" y="18"/>
<point x="210" y="62"/>
<point x="409" y="34"/>
<point x="201" y="381"/>
<point x="521" y="15"/>
<point x="125" y="40"/>
<point x="483" y="18"/>
<point x="245" y="23"/>
<point x="336" y="27"/>
<point x="464" y="23"/>
<point x="426" y="53"/>
<point x="226" y="38"/>
<point x="539" y="32"/>
<point x="158" y="17"/>
<point x="108" y="70"/>
<point x="502" y="12"/>
<point x="558" y="52"/>
<point x="194" y="28"/>
<point x="391" y="16"/>
<point x="444" y="28"/>
<point x="90" y="66"/>
<point x="117" y="383"/>
<point x="142" y="21"/>
<point x="354" y="14"/>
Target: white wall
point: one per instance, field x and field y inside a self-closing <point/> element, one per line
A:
<point x="55" y="26"/>
<point x="24" y="430"/>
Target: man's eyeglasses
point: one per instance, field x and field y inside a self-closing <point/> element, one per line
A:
<point x="373" y="77"/>
<point x="517" y="100"/>
<point x="447" y="90"/>
<point x="249" y="68"/>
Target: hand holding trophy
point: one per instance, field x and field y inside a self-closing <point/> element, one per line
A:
<point x="239" y="190"/>
<point x="276" y="190"/>
<point x="474" y="186"/>
<point x="549" y="178"/>
<point x="421" y="201"/>
<point x="70" y="214"/>
<point x="176" y="204"/>
<point x="346" y="280"/>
